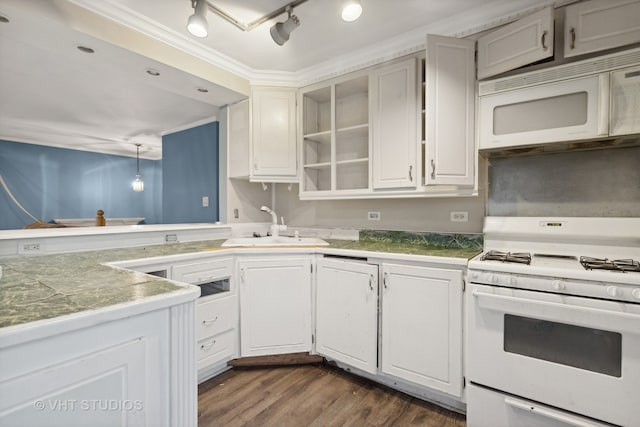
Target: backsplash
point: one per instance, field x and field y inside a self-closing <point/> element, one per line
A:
<point x="445" y="240"/>
<point x="598" y="183"/>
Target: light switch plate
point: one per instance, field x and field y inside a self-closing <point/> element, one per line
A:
<point x="205" y="201"/>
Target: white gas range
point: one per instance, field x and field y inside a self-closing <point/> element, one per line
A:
<point x="553" y="323"/>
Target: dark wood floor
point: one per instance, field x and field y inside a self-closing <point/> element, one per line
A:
<point x="311" y="395"/>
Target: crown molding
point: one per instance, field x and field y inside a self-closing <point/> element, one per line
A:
<point x="396" y="47"/>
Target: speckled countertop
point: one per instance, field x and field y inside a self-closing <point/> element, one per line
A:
<point x="44" y="287"/>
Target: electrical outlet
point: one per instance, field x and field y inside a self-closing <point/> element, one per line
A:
<point x="459" y="216"/>
<point x="374" y="216"/>
<point x="205" y="201"/>
<point x="30" y="248"/>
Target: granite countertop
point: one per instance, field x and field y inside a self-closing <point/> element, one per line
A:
<point x="44" y="287"/>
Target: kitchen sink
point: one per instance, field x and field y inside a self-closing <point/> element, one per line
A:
<point x="274" y="241"/>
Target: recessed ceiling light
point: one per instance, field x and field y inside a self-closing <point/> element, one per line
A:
<point x="4" y="19"/>
<point x="203" y="90"/>
<point x="85" y="49"/>
<point x="153" y="72"/>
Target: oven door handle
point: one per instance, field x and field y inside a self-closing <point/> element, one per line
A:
<point x="549" y="413"/>
<point x="591" y="317"/>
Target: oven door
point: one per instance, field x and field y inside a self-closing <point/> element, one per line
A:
<point x="578" y="354"/>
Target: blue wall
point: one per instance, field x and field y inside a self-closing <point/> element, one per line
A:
<point x="189" y="172"/>
<point x="59" y="183"/>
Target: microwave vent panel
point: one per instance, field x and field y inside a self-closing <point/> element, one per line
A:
<point x="561" y="72"/>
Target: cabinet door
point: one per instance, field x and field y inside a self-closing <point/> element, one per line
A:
<point x="238" y="140"/>
<point x="395" y="112"/>
<point x="600" y="24"/>
<point x="422" y="326"/>
<point x="450" y="113"/>
<point x="273" y="147"/>
<point x="275" y="306"/>
<point x="346" y="312"/>
<point x="523" y="42"/>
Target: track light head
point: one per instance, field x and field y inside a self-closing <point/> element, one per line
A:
<point x="281" y="31"/>
<point x="351" y="10"/>
<point x="197" y="23"/>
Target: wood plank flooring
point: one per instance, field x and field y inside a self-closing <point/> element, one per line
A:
<point x="311" y="395"/>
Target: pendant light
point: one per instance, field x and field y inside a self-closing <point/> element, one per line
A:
<point x="138" y="184"/>
<point x="351" y="10"/>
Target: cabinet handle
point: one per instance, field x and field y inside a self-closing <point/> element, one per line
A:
<point x="206" y="347"/>
<point x="433" y="169"/>
<point x="209" y="322"/>
<point x="543" y="40"/>
<point x="371" y="281"/>
<point x="572" y="31"/>
<point x="384" y="280"/>
<point x="411" y="173"/>
<point x="242" y="275"/>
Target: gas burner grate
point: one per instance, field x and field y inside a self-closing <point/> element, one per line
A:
<point x="519" y="257"/>
<point x="622" y="265"/>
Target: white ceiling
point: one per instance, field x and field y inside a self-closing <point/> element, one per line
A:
<point x="56" y="95"/>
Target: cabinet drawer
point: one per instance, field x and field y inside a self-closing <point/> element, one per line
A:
<point x="216" y="349"/>
<point x="213" y="317"/>
<point x="203" y="271"/>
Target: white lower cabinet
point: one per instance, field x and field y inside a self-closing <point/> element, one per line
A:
<point x="408" y="329"/>
<point x="346" y="312"/>
<point x="216" y="311"/>
<point x="421" y="328"/>
<point x="116" y="369"/>
<point x="275" y="295"/>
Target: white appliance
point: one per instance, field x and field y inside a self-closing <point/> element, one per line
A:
<point x="576" y="101"/>
<point x="553" y="323"/>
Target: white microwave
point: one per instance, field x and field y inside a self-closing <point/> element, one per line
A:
<point x="579" y="101"/>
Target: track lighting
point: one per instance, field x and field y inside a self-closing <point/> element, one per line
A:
<point x="280" y="32"/>
<point x="351" y="10"/>
<point x="197" y="23"/>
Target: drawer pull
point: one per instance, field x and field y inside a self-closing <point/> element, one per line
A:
<point x="206" y="347"/>
<point x="209" y="322"/>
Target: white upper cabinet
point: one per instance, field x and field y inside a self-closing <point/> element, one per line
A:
<point x="394" y="105"/>
<point x="522" y="42"/>
<point x="335" y="137"/>
<point x="450" y="112"/>
<point x="600" y="24"/>
<point x="238" y="139"/>
<point x="273" y="150"/>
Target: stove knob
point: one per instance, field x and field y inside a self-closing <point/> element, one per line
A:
<point x="492" y="278"/>
<point x="557" y="285"/>
<point x="612" y="291"/>
<point x="513" y="281"/>
<point x="636" y="293"/>
<point x="475" y="275"/>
